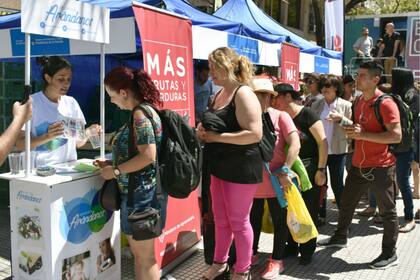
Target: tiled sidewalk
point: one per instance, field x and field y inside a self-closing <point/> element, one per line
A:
<point x="349" y="263"/>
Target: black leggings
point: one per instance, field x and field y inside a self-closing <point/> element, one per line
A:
<point x="278" y="215"/>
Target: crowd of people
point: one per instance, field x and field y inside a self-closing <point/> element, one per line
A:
<point x="338" y="130"/>
<point x="329" y="124"/>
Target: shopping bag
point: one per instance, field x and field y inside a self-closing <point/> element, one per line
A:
<point x="300" y="223"/>
<point x="267" y="222"/>
<point x="299" y="168"/>
<point x="275" y="182"/>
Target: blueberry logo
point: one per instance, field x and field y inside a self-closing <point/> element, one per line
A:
<point x="42" y="24"/>
<point x="83" y="216"/>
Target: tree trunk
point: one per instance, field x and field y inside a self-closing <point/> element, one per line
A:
<point x="319" y="22"/>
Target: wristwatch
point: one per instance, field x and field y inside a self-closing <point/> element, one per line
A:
<point x="322" y="169"/>
<point x="116" y="171"/>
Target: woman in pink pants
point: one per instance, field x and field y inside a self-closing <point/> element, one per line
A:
<point x="235" y="163"/>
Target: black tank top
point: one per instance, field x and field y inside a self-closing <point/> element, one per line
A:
<point x="240" y="164"/>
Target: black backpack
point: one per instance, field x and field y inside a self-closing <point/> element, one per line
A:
<point x="406" y="121"/>
<point x="180" y="154"/>
<point x="269" y="138"/>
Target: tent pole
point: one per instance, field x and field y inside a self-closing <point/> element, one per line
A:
<point x="28" y="123"/>
<point x="102" y="97"/>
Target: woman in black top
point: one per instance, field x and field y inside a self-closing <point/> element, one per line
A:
<point x="235" y="161"/>
<point x="403" y="85"/>
<point x="313" y="153"/>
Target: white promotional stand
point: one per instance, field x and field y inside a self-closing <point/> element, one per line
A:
<point x="59" y="230"/>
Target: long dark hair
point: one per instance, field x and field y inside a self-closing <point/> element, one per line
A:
<point x="51" y="65"/>
<point x="137" y="80"/>
<point x="403" y="83"/>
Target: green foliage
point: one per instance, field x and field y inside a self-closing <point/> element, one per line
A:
<point x="370" y="7"/>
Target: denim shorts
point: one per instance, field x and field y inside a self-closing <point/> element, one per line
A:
<point x="143" y="198"/>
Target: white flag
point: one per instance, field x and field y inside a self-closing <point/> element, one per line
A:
<point x="334" y="24"/>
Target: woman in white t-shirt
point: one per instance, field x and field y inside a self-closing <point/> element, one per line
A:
<point x="50" y="107"/>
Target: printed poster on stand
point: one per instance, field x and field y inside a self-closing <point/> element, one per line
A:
<point x="290" y="65"/>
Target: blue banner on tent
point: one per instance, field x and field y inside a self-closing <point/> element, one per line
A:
<point x="40" y="45"/>
<point x="244" y="46"/>
<point x="322" y="65"/>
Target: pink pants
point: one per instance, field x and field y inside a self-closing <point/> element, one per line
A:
<point x="231" y="204"/>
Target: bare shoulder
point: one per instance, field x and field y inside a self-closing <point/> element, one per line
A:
<point x="245" y="94"/>
<point x="244" y="90"/>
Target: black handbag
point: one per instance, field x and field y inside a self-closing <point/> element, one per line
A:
<point x="269" y="138"/>
<point x="146" y="224"/>
<point x="109" y="195"/>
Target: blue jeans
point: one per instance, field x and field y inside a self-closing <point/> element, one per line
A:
<point x="336" y="165"/>
<point x="403" y="170"/>
<point x="143" y="198"/>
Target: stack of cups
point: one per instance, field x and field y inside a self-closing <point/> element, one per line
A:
<point x="17" y="162"/>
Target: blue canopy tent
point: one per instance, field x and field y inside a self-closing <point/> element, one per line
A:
<point x="84" y="86"/>
<point x="183" y="7"/>
<point x="123" y="8"/>
<point x="256" y="19"/>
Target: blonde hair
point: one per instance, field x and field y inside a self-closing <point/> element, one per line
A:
<point x="237" y="68"/>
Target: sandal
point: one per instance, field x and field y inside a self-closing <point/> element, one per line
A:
<point x="215" y="270"/>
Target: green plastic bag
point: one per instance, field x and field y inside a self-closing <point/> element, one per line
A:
<point x="299" y="168"/>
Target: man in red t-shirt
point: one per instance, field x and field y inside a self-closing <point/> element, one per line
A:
<point x="373" y="165"/>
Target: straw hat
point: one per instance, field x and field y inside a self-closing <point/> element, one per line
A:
<point x="263" y="85"/>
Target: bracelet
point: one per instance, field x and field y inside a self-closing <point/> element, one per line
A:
<point x="286" y="170"/>
<point x="322" y="169"/>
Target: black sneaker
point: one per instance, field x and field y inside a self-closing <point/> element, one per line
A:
<point x="290" y="251"/>
<point x="333" y="242"/>
<point x="383" y="262"/>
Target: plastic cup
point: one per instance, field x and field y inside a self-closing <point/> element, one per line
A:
<point x="93" y="134"/>
<point x="33" y="160"/>
<point x="15" y="163"/>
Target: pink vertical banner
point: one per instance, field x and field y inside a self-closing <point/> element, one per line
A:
<point x="167" y="57"/>
<point x="290" y="55"/>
